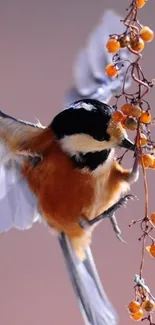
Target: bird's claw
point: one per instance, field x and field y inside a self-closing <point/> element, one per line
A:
<point x="121" y="239"/>
<point x="85" y="224"/>
<point x="116" y="228"/>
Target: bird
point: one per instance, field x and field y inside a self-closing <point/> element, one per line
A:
<point x="66" y="176"/>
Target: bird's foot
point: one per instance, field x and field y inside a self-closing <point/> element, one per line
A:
<point x="110" y="213"/>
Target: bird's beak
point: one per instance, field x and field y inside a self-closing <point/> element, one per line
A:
<point x="127" y="144"/>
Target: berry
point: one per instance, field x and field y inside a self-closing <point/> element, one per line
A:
<point x="131" y="123"/>
<point x="152" y="218"/>
<point x="129" y="109"/>
<point x="152" y="250"/>
<point x="140" y="3"/>
<point x="134" y="306"/>
<point x="145" y="117"/>
<point x="126" y="108"/>
<point x="111" y="70"/>
<point x="118" y="116"/>
<point x="142" y="141"/>
<point x="142" y="291"/>
<point x="124" y="40"/>
<point x="137" y="316"/>
<point x="148" y="248"/>
<point x="153" y="165"/>
<point x="147" y="160"/>
<point x="148" y="305"/>
<point x="137" y="44"/>
<point x="113" y="45"/>
<point x="135" y="111"/>
<point x="147" y="34"/>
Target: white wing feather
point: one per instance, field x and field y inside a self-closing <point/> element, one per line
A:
<point x="18" y="205"/>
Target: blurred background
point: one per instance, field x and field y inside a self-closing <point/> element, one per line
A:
<point x="39" y="40"/>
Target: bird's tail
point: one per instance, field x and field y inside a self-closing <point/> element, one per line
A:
<point x="93" y="302"/>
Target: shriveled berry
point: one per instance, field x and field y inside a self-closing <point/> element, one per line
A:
<point x="137" y="316"/>
<point x="146" y="160"/>
<point x="124" y="40"/>
<point x="147" y="34"/>
<point x="118" y="116"/>
<point x="148" y="305"/>
<point x="111" y="70"/>
<point x="145" y="117"/>
<point x="142" y="291"/>
<point x="113" y="45"/>
<point x="140" y="3"/>
<point x="152" y="218"/>
<point x="134" y="306"/>
<point x="131" y="123"/>
<point x="137" y="44"/>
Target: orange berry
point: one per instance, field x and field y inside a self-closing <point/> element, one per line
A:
<point x="137" y="316"/>
<point x="118" y="116"/>
<point x="123" y="122"/>
<point x="126" y="108"/>
<point x="152" y="250"/>
<point x="145" y="117"/>
<point x="135" y="111"/>
<point x="152" y="218"/>
<point x="153" y="165"/>
<point x="147" y="34"/>
<point x="142" y="141"/>
<point x="111" y="70"/>
<point x="134" y="306"/>
<point x="113" y="45"/>
<point x="147" y="160"/>
<point x="140" y="3"/>
<point x="148" y="305"/>
<point x="131" y="123"/>
<point x="137" y="44"/>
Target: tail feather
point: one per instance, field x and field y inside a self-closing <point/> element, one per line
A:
<point x="93" y="302"/>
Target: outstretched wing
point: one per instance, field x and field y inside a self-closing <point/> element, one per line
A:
<point x="89" y="75"/>
<point x="18" y="205"/>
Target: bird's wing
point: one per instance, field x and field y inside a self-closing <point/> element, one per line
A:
<point x="18" y="205"/>
<point x="89" y="75"/>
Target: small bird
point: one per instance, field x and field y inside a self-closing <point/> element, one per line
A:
<point x="66" y="174"/>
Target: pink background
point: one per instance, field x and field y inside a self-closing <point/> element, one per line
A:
<point x="39" y="40"/>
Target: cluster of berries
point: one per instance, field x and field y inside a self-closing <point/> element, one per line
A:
<point x="135" y="116"/>
<point x="133" y="39"/>
<point x="138" y="308"/>
<point x="130" y="115"/>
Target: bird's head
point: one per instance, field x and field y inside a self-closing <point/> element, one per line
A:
<point x="86" y="127"/>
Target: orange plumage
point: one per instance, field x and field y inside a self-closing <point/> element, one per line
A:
<point x="66" y="194"/>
